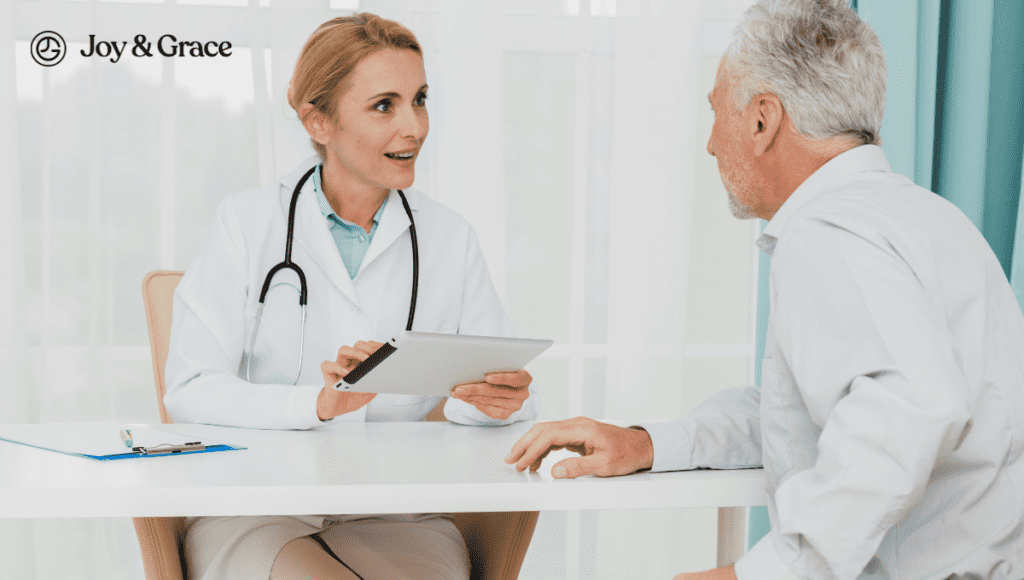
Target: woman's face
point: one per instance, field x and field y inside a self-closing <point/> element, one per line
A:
<point x="381" y="121"/>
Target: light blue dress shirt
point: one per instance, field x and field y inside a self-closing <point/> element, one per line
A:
<point x="352" y="240"/>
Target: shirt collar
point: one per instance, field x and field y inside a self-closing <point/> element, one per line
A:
<point x="325" y="206"/>
<point x="862" y="159"/>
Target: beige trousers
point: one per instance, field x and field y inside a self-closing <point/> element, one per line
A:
<point x="399" y="546"/>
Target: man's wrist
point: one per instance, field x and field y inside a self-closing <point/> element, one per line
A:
<point x="644" y="448"/>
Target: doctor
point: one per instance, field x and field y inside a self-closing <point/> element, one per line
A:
<point x="360" y="90"/>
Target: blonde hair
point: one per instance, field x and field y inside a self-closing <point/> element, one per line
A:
<point x="823" y="61"/>
<point x="332" y="52"/>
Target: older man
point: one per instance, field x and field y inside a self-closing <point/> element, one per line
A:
<point x="891" y="409"/>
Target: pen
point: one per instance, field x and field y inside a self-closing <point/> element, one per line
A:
<point x="169" y="448"/>
<point x="126" y="436"/>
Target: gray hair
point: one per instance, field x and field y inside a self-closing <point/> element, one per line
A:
<point x="822" y="61"/>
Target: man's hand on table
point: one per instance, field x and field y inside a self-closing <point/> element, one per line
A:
<point x="501" y="395"/>
<point x="606" y="450"/>
<point x="727" y="573"/>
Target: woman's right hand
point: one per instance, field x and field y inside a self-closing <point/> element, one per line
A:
<point x="331" y="403"/>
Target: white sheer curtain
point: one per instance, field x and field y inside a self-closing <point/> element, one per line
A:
<point x="571" y="133"/>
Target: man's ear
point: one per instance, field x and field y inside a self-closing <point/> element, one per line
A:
<point x="768" y="112"/>
<point x="318" y="127"/>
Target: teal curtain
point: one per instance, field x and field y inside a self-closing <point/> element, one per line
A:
<point x="953" y="123"/>
<point x="758" y="524"/>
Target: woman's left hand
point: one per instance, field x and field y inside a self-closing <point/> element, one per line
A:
<point x="499" y="397"/>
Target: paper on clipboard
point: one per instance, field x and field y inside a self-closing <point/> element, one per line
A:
<point x="98" y="439"/>
<point x="430" y="364"/>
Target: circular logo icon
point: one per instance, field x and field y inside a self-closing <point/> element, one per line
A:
<point x="48" y="48"/>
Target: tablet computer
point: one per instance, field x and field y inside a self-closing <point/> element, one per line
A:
<point x="427" y="363"/>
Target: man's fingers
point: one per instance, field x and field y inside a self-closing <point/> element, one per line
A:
<point x="536" y="464"/>
<point x="540" y="431"/>
<point x="574" y="467"/>
<point x="516" y="380"/>
<point x="489" y="390"/>
<point x="520" y="446"/>
<point x="545" y="441"/>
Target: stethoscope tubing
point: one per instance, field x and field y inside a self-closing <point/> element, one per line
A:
<point x="415" y="260"/>
<point x="289" y="265"/>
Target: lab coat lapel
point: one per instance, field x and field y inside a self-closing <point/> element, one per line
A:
<point x="393" y="222"/>
<point x="312" y="233"/>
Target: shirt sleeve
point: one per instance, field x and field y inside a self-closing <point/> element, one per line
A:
<point x="874" y="363"/>
<point x="483" y="314"/>
<point x="723" y="432"/>
<point x="207" y="343"/>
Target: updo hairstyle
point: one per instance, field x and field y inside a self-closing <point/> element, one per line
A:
<point x="332" y="52"/>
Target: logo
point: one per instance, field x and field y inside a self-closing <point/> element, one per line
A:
<point x="48" y="48"/>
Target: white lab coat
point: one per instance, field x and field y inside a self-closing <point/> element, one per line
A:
<point x="216" y="302"/>
<point x="215" y="308"/>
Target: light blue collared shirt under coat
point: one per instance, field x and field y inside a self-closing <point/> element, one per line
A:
<point x="352" y="240"/>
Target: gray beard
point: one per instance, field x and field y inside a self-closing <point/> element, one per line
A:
<point x="739" y="209"/>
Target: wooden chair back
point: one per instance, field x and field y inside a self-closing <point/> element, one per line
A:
<point x="158" y="297"/>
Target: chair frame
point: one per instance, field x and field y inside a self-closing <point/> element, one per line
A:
<point x="496" y="541"/>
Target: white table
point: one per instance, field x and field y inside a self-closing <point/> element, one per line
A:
<point x="357" y="468"/>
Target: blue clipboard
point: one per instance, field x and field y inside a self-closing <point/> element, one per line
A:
<point x="101" y="440"/>
<point x="146" y="452"/>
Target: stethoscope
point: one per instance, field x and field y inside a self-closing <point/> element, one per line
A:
<point x="287" y="264"/>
